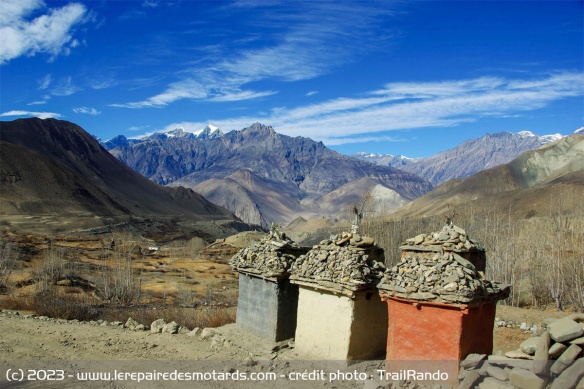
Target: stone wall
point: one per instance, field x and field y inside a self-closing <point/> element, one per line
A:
<point x="267" y="308"/>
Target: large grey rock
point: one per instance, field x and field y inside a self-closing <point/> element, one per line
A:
<point x="208" y="333"/>
<point x="131" y="324"/>
<point x="580" y="384"/>
<point x="504" y="362"/>
<point x="530" y="345"/>
<point x="171" y="328"/>
<point x="492" y="383"/>
<point x="525" y="379"/>
<point x="571" y="376"/>
<point x="566" y="359"/>
<point x="565" y="329"/>
<point x="157" y="326"/>
<point x="469" y="380"/>
<point x="518" y="354"/>
<point x="498" y="373"/>
<point x="556" y="350"/>
<point x="541" y="363"/>
<point x="578" y="341"/>
<point x="472" y="360"/>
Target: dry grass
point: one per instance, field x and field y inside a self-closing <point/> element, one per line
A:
<point x="87" y="278"/>
<point x="187" y="317"/>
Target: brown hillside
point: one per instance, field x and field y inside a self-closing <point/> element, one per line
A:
<point x="524" y="185"/>
<point x="55" y="167"/>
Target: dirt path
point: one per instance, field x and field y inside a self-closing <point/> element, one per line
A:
<point x="28" y="342"/>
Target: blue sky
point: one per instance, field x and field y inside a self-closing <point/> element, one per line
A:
<point x="398" y="77"/>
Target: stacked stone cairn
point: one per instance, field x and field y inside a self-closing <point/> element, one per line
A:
<point x="343" y="263"/>
<point x="432" y="269"/>
<point x="554" y="359"/>
<point x="271" y="257"/>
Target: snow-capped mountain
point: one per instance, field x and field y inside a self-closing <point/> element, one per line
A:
<point x="386" y="159"/>
<point x="467" y="158"/>
<point x="579" y="131"/>
<point x="209" y="132"/>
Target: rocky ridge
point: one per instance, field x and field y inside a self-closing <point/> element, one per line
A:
<point x="347" y="262"/>
<point x="258" y="165"/>
<point x="468" y="158"/>
<point x="433" y="269"/>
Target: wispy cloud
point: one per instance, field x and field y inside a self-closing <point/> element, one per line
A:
<point x="150" y="4"/>
<point x="188" y="89"/>
<point x="40" y="115"/>
<point x="300" y="41"/>
<point x="45" y="81"/>
<point x="311" y="93"/>
<point x="38" y="102"/>
<point x="402" y="106"/>
<point x="87" y="110"/>
<point x="51" y="33"/>
<point x="65" y="87"/>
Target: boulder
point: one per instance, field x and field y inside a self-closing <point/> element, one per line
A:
<point x="525" y="379"/>
<point x="566" y="359"/>
<point x="530" y="345"/>
<point x="171" y="328"/>
<point x="157" y="326"/>
<point x="565" y="329"/>
<point x="571" y="377"/>
<point x="131" y="324"/>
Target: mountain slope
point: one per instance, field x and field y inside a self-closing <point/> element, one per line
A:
<point x="524" y="185"/>
<point x="467" y="158"/>
<point x="306" y="170"/>
<point x="57" y="162"/>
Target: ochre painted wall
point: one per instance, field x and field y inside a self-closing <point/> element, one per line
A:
<point x="336" y="327"/>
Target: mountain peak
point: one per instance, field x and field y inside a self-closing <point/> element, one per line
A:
<point x="579" y="131"/>
<point x="209" y="132"/>
<point x="260" y="130"/>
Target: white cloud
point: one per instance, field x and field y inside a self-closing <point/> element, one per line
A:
<point x="150" y="4"/>
<point x="87" y="110"/>
<point x="188" y="89"/>
<point x="193" y="89"/>
<point x="311" y="93"/>
<point x="45" y="82"/>
<point x="38" y="102"/>
<point x="50" y="33"/>
<point x="241" y="95"/>
<point x="300" y="41"/>
<point x="413" y="105"/>
<point x="40" y="115"/>
<point x="65" y="87"/>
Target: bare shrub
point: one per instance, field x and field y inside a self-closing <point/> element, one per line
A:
<point x="8" y="258"/>
<point x="117" y="282"/>
<point x="51" y="270"/>
<point x="194" y="246"/>
<point x="20" y="303"/>
<point x="67" y="306"/>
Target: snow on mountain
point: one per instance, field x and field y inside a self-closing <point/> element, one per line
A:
<point x="545" y="139"/>
<point x="579" y="131"/>
<point x="467" y="158"/>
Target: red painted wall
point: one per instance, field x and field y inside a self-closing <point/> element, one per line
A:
<point x="435" y="331"/>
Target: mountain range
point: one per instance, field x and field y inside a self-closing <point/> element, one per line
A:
<point x="55" y="172"/>
<point x="467" y="158"/>
<point x="526" y="186"/>
<point x="263" y="177"/>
